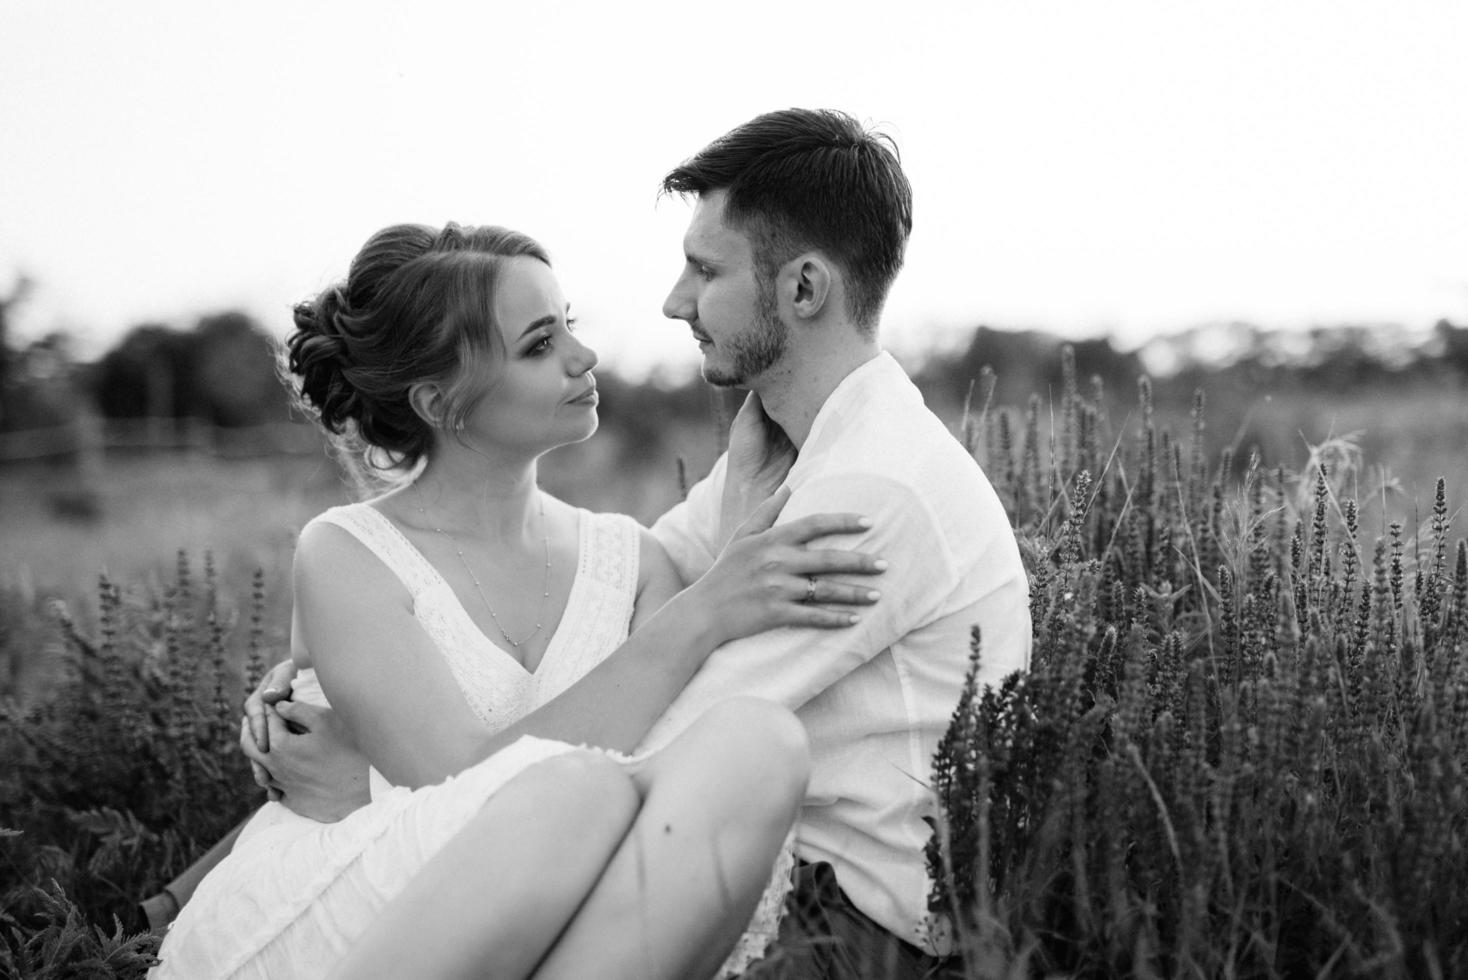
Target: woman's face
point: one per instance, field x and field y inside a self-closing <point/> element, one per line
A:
<point x="541" y="393"/>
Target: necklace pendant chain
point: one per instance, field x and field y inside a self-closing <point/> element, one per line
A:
<point x="544" y="585"/>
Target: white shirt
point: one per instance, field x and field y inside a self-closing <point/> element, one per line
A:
<point x="875" y="698"/>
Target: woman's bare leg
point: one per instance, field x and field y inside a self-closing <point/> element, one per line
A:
<point x="499" y="893"/>
<point x="717" y="804"/>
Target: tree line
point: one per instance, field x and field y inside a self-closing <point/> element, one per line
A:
<point x="222" y="370"/>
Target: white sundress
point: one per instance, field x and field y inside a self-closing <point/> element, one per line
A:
<point x="294" y="894"/>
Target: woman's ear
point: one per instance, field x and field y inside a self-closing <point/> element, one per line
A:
<point x="427" y="400"/>
<point x="806" y="279"/>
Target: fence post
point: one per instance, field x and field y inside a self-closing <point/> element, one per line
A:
<point x="87" y="429"/>
<point x="198" y="436"/>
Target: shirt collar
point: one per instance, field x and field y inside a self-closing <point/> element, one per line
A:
<point x="875" y="378"/>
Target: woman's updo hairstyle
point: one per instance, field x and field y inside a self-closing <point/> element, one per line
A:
<point x="417" y="305"/>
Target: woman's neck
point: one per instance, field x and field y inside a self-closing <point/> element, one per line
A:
<point x="470" y="496"/>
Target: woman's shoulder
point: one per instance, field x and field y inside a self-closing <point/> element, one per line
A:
<point x="341" y="536"/>
<point x="648" y="545"/>
<point x="625" y="525"/>
<point x="614" y="547"/>
<point x="363" y="520"/>
<point x="600" y="523"/>
<point x="340" y="514"/>
<point x="654" y="565"/>
<point x="340" y="553"/>
<point x="331" y="533"/>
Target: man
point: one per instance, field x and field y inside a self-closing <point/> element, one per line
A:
<point x="800" y="223"/>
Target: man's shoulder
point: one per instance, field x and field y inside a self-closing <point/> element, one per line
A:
<point x="905" y="443"/>
<point x="904" y="459"/>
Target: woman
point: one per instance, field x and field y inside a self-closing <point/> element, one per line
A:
<point x="471" y="630"/>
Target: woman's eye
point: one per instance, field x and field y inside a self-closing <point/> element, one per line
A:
<point x="540" y="347"/>
<point x="571" y="322"/>
<point x="704" y="272"/>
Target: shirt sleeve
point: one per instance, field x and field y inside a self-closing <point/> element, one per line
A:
<point x="687" y="531"/>
<point x="792" y="665"/>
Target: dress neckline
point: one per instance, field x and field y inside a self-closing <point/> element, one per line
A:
<point x="439" y="582"/>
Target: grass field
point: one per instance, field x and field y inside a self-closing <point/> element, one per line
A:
<point x="1239" y="751"/>
<point x="60" y="531"/>
<point x="129" y="518"/>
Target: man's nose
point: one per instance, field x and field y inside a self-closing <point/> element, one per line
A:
<point x="679" y="304"/>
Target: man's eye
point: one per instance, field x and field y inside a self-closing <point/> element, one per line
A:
<point x="704" y="272"/>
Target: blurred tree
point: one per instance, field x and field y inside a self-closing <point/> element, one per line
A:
<point x="231" y="378"/>
<point x="1454" y="343"/>
<point x="38" y="382"/>
<point x="1026" y="361"/>
<point x="222" y="371"/>
<point x="139" y="377"/>
<point x="10" y="382"/>
<point x="643" y="415"/>
<point x="45" y="389"/>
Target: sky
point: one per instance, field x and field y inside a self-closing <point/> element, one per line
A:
<point x="1122" y="168"/>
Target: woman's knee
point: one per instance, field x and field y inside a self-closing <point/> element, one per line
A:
<point x="600" y="780"/>
<point x="770" y="736"/>
<point x="582" y="783"/>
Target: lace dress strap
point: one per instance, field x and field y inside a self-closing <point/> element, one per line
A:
<point x="612" y="555"/>
<point x="494" y="685"/>
<point x="597" y="617"/>
<point x="371" y="527"/>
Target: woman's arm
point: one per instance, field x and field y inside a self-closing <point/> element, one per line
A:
<point x="382" y="673"/>
<point x="759" y="582"/>
<point x="657" y="579"/>
<point x="403" y="707"/>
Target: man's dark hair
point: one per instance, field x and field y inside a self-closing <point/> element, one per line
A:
<point x="811" y="178"/>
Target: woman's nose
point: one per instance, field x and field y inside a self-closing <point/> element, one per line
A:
<point x="583" y="358"/>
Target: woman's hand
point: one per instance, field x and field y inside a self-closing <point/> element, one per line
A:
<point x="760" y="455"/>
<point x="313" y="766"/>
<point x="767" y="577"/>
<point x="273" y="688"/>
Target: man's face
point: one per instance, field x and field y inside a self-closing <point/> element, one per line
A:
<point x="728" y="305"/>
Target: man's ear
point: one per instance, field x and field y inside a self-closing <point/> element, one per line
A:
<point x="807" y="281"/>
<point x="427" y="400"/>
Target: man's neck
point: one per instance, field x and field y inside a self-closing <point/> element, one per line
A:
<point x="793" y="391"/>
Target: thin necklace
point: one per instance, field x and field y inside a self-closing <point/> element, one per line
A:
<point x="544" y="585"/>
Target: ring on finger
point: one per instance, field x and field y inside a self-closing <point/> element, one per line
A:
<point x="810" y="589"/>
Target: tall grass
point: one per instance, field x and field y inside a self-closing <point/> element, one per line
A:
<point x="1239" y="751"/>
<point x="125" y="773"/>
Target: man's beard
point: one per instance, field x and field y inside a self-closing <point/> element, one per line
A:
<point x="756" y="351"/>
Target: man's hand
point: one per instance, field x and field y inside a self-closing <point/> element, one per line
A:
<point x="760" y="457"/>
<point x="312" y="766"/>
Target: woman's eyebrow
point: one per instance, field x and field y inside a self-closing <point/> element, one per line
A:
<point x="545" y="321"/>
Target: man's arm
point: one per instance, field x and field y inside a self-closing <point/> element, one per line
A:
<point x="791" y="666"/>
